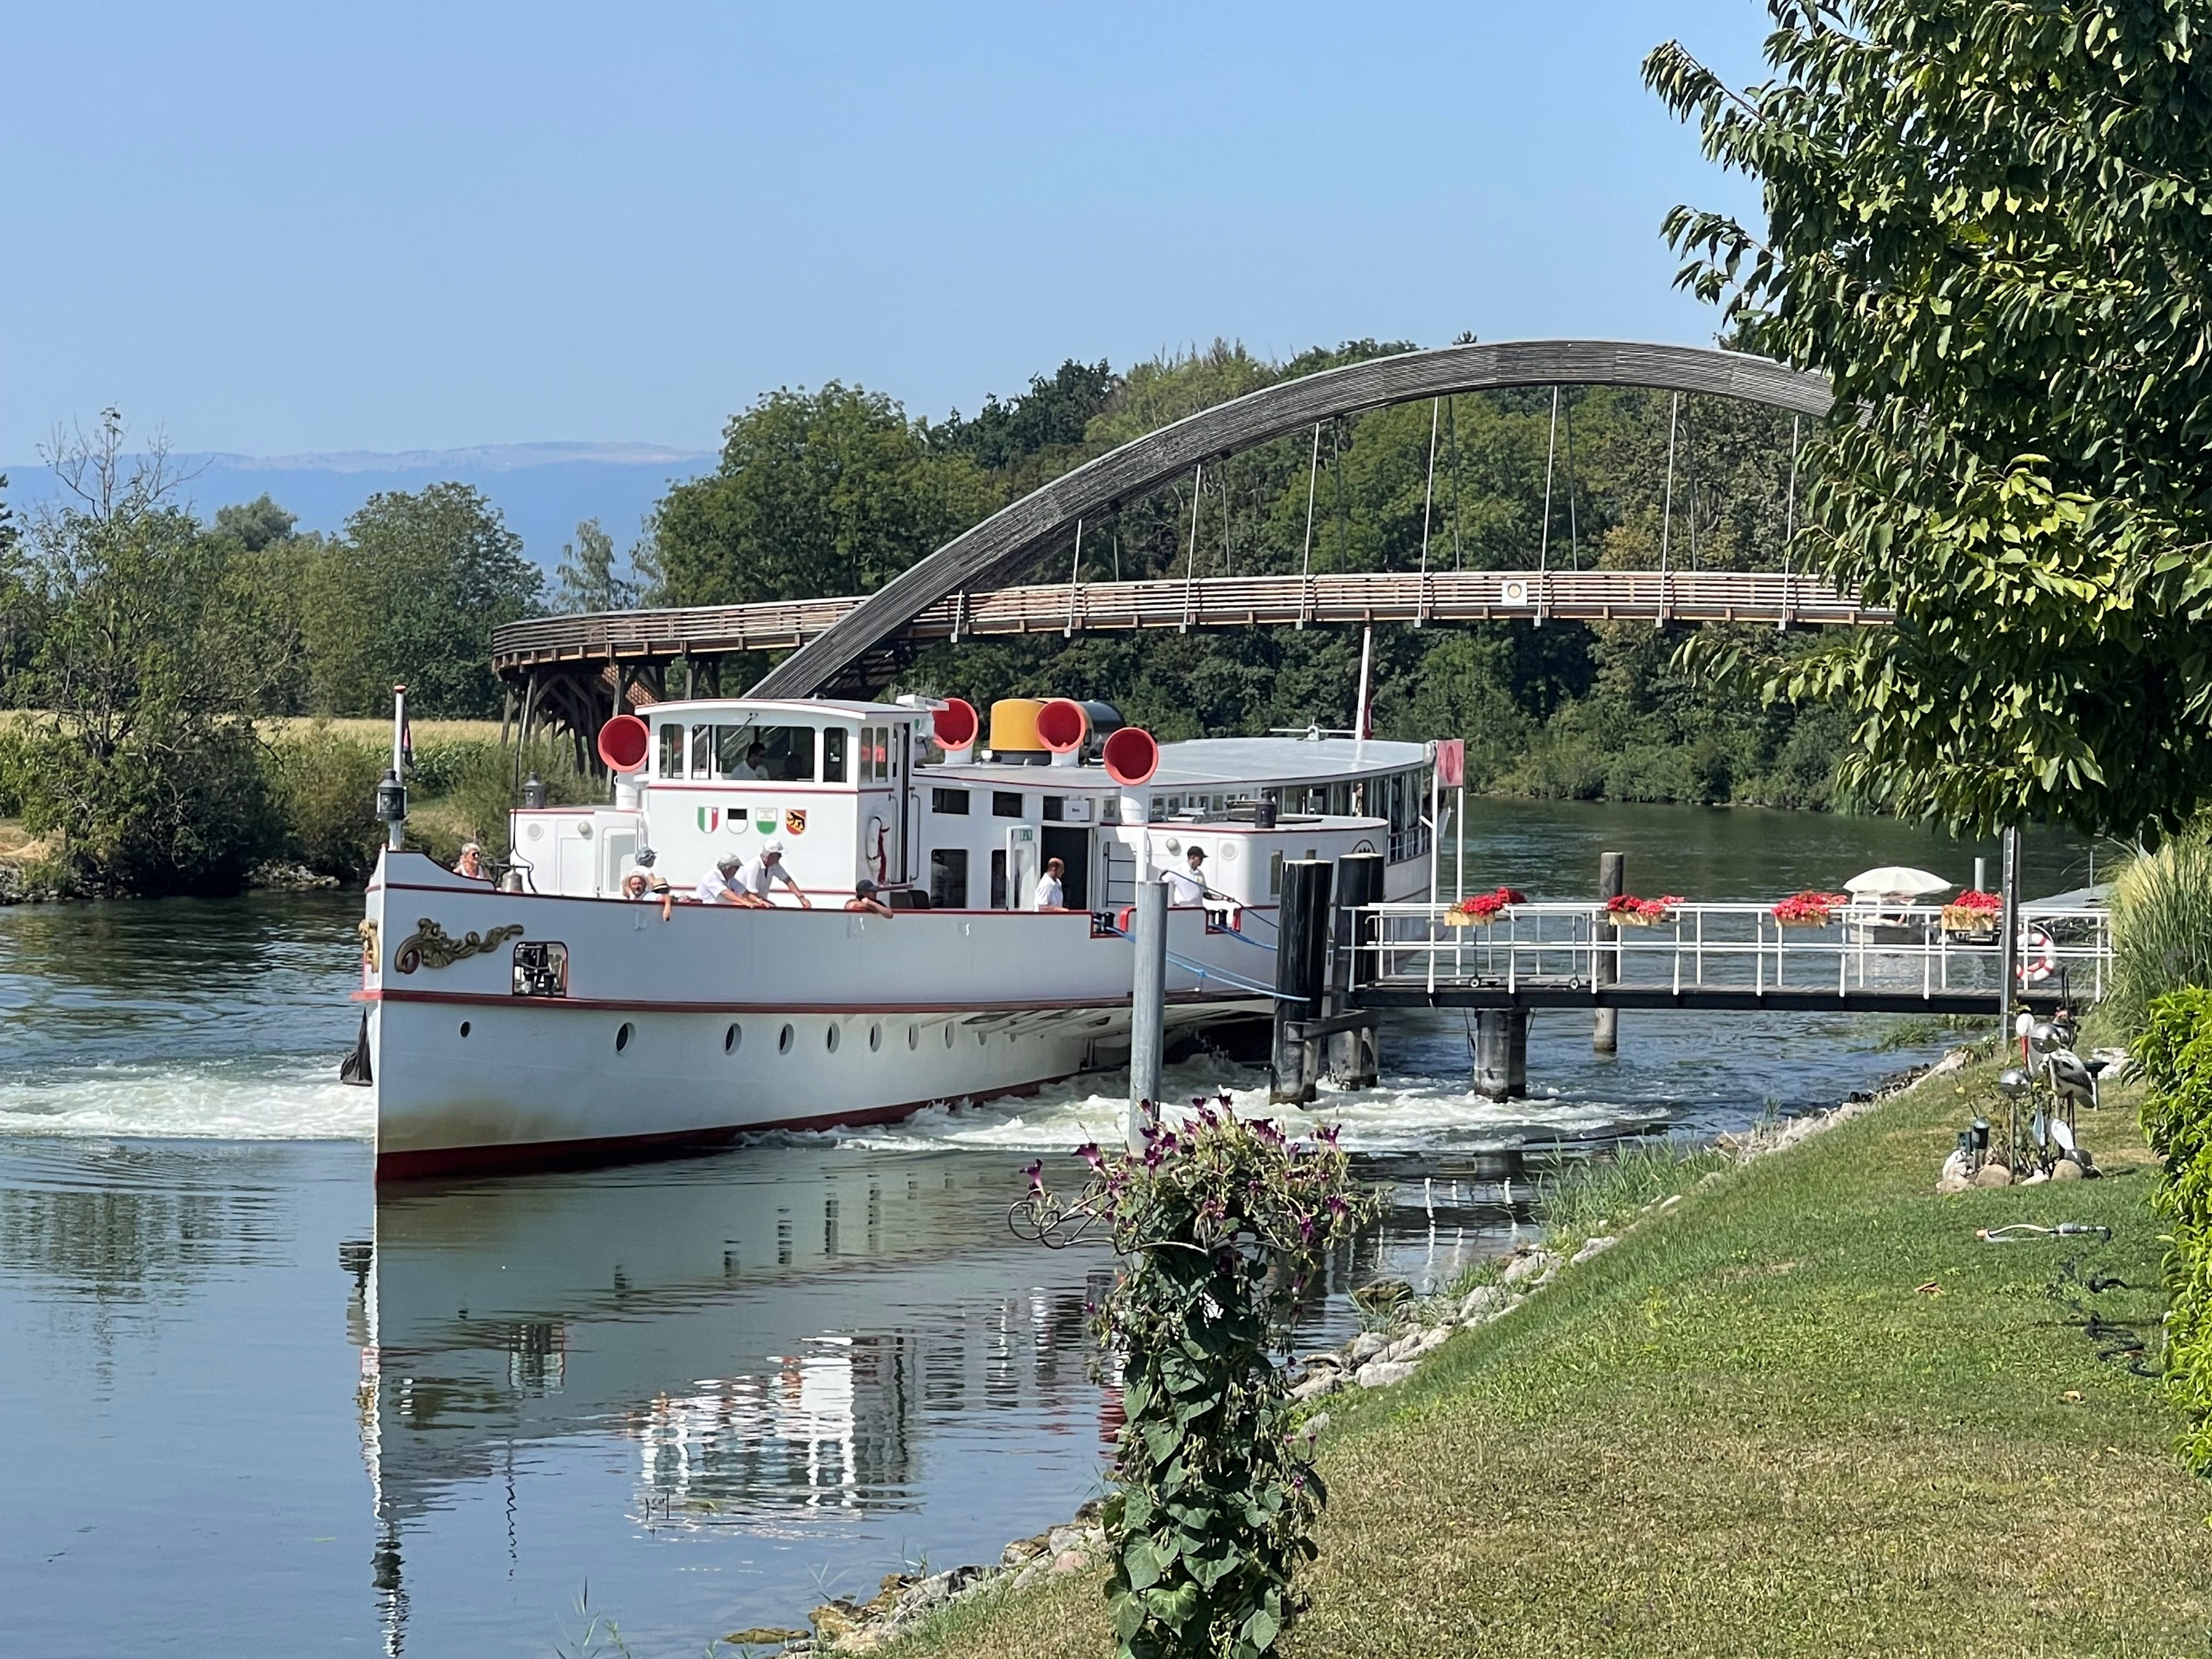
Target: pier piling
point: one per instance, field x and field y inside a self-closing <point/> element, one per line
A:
<point x="1501" y="1052"/>
<point x="1352" y="1058"/>
<point x="1605" y="969"/>
<point x="1148" y="998"/>
<point x="1300" y="970"/>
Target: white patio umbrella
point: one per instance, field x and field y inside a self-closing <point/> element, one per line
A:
<point x="1897" y="883"/>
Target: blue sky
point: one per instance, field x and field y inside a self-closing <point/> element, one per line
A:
<point x="283" y="228"/>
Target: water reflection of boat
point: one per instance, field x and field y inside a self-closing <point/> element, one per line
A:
<point x="775" y="1335"/>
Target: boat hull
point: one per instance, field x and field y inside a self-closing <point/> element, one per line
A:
<point x="676" y="1034"/>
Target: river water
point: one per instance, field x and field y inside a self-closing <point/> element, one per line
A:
<point x="246" y="1406"/>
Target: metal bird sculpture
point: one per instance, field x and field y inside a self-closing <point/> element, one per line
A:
<point x="2070" y="1078"/>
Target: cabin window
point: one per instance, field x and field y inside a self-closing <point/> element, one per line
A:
<point x="1056" y="808"/>
<point x="867" y="766"/>
<point x="671" y="749"/>
<point x="1005" y="802"/>
<point x="833" y="754"/>
<point x="1339" y="800"/>
<point x="948" y="878"/>
<point x="998" y="879"/>
<point x="702" y="751"/>
<point x="954" y="801"/>
<point x="763" y="754"/>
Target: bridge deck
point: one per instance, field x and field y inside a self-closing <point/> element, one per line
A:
<point x="1771" y="597"/>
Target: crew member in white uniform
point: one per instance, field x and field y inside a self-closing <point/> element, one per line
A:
<point x="1051" y="895"/>
<point x="762" y="873"/>
<point x="1187" y="886"/>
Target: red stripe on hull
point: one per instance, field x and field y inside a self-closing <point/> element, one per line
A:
<point x="446" y="1162"/>
<point x="615" y="1005"/>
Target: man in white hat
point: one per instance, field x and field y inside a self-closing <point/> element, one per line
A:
<point x="763" y="872"/>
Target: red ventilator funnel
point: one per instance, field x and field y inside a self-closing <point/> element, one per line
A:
<point x="624" y="742"/>
<point x="1132" y="756"/>
<point x="1063" y="726"/>
<point x="955" y="725"/>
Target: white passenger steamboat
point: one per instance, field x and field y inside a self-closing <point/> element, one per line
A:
<point x="546" y="1018"/>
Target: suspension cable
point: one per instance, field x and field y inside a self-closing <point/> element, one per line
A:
<point x="1429" y="488"/>
<point x="1075" y="578"/>
<point x="1313" y="478"/>
<point x="1667" y="513"/>
<point x="1574" y="534"/>
<point x="1190" y="570"/>
<point x="1451" y="428"/>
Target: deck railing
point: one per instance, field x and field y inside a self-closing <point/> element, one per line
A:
<point x="1730" y="946"/>
<point x="1750" y="596"/>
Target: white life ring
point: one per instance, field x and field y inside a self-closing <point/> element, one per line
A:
<point x="2039" y="955"/>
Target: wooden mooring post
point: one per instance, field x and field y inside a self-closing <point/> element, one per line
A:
<point x="1301" y="979"/>
<point x="1605" y="969"/>
<point x="1352" y="1058"/>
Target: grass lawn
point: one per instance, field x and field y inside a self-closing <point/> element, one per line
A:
<point x="1804" y="1412"/>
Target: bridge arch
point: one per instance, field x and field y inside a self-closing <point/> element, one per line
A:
<point x="992" y="552"/>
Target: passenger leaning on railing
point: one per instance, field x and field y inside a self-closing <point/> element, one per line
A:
<point x="724" y="885"/>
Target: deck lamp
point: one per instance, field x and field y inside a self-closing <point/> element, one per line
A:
<point x="534" y="794"/>
<point x="392" y="803"/>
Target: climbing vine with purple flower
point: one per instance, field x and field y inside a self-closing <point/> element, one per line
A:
<point x="1219" y="1223"/>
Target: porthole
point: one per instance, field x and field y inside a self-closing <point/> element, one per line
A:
<point x="875" y="1038"/>
<point x="784" y="1040"/>
<point x="830" y="1039"/>
<point x="622" y="1037"/>
<point x="731" y="1038"/>
<point x="914" y="1036"/>
<point x="465" y="1028"/>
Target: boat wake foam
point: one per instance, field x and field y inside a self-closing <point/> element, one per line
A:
<point x="1404" y="1114"/>
<point x="236" y="1100"/>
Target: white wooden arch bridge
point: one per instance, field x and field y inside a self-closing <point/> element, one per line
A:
<point x="576" y="670"/>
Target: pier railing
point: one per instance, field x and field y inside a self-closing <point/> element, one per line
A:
<point x="1898" y="951"/>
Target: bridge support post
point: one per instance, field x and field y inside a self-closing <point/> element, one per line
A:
<point x="1501" y="1053"/>
<point x="1352" y="1058"/>
<point x="1612" y="883"/>
<point x="1301" y="978"/>
<point x="1148" y="998"/>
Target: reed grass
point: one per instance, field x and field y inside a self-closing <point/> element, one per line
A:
<point x="2161" y="928"/>
<point x="1609" y="1190"/>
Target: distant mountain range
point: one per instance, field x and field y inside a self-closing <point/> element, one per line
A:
<point x="542" y="489"/>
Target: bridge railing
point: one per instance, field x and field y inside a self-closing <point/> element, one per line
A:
<point x="1736" y="947"/>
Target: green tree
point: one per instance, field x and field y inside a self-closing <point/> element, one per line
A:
<point x="412" y="592"/>
<point x="147" y="665"/>
<point x="586" y="580"/>
<point x="1988" y="226"/>
<point x="817" y="493"/>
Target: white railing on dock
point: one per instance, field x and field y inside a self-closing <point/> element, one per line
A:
<point x="1892" y="948"/>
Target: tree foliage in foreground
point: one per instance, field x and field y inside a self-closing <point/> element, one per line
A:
<point x="1991" y="226"/>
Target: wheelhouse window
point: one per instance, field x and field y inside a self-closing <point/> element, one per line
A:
<point x="671" y="749"/>
<point x="833" y="754"/>
<point x="752" y="753"/>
